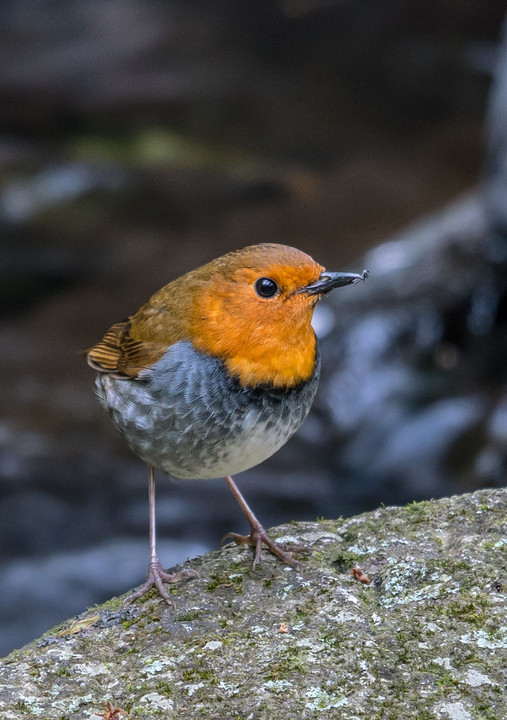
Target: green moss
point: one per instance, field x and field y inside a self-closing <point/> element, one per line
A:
<point x="164" y="688"/>
<point x="446" y="682"/>
<point x="234" y="580"/>
<point x="63" y="672"/>
<point x="345" y="561"/>
<point x="349" y="536"/>
<point x="199" y="673"/>
<point x="128" y="622"/>
<point x="320" y="556"/>
<point x="418" y="511"/>
<point x="469" y="611"/>
<point x="287" y="663"/>
<point x="487" y="713"/>
<point x="190" y="615"/>
<point x="21" y="706"/>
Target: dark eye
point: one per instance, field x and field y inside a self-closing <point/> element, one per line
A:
<point x="266" y="288"/>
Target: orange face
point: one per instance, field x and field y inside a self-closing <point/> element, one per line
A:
<point x="251" y="314"/>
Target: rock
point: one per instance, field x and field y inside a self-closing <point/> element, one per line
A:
<point x="419" y="632"/>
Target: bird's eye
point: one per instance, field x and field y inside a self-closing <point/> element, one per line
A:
<point x="266" y="288"/>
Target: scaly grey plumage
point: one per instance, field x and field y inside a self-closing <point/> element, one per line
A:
<point x="186" y="416"/>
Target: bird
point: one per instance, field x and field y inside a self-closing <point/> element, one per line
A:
<point x="214" y="374"/>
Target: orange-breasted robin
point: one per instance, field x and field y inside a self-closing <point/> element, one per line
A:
<point x="215" y="373"/>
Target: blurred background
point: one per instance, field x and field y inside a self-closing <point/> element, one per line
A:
<point x="139" y="139"/>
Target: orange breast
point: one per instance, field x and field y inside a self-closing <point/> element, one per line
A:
<point x="260" y="343"/>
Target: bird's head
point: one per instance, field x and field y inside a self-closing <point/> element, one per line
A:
<point x="251" y="308"/>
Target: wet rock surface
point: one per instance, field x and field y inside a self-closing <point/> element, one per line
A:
<point x="118" y="176"/>
<point x="418" y="630"/>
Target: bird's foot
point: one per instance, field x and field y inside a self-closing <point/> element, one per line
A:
<point x="157" y="576"/>
<point x="259" y="537"/>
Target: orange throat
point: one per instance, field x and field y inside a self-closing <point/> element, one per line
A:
<point x="277" y="350"/>
<point x="278" y="366"/>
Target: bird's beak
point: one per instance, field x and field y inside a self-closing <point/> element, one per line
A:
<point x="331" y="280"/>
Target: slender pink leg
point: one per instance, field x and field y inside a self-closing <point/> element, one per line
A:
<point x="258" y="536"/>
<point x="157" y="576"/>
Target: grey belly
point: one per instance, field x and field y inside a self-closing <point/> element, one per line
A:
<point x="188" y="418"/>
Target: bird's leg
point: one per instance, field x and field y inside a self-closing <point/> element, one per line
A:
<point x="157" y="576"/>
<point x="258" y="536"/>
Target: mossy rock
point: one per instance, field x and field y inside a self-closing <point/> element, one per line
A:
<point x="426" y="638"/>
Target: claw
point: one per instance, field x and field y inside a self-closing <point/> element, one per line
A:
<point x="157" y="576"/>
<point x="258" y="536"/>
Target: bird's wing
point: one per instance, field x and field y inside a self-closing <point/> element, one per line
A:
<point x="121" y="355"/>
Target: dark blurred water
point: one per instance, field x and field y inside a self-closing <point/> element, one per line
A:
<point x="138" y="140"/>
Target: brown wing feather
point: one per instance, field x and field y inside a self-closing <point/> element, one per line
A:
<point x="106" y="355"/>
<point x="131" y="346"/>
<point x="119" y="354"/>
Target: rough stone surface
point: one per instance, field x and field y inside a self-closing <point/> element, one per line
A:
<point x="426" y="638"/>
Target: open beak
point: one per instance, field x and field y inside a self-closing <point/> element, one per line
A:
<point x="331" y="280"/>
